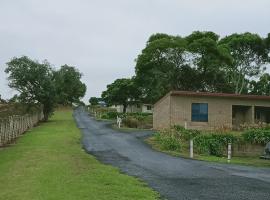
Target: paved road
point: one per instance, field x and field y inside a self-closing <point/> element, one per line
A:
<point x="173" y="178"/>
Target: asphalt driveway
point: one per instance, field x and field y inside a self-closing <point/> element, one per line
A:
<point x="173" y="178"/>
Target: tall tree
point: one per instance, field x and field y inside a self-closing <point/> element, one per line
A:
<point x="34" y="81"/>
<point x="262" y="86"/>
<point x="210" y="60"/>
<point x="162" y="66"/>
<point x="121" y="92"/>
<point x="175" y="63"/>
<point x="69" y="87"/>
<point x="249" y="54"/>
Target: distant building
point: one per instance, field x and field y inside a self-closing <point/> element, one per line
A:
<point x="202" y="110"/>
<point x="144" y="108"/>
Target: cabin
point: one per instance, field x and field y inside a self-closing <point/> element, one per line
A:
<point x="210" y="111"/>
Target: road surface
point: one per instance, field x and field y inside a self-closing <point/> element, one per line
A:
<point x="172" y="177"/>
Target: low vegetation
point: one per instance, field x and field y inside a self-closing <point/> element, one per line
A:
<point x="130" y="120"/>
<point x="48" y="163"/>
<point x="210" y="146"/>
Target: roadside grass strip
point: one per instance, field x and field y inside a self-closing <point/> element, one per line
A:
<point x="48" y="163"/>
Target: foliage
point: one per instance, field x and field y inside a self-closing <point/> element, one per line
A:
<point x="167" y="142"/>
<point x="258" y="136"/>
<point x="262" y="86"/>
<point x="34" y="81"/>
<point x="93" y="101"/>
<point x="213" y="143"/>
<point x="249" y="54"/>
<point x="205" y="143"/>
<point x="121" y="92"/>
<point x="68" y="85"/>
<point x="138" y="120"/>
<point x="110" y="115"/>
<point x="38" y="83"/>
<point x="200" y="62"/>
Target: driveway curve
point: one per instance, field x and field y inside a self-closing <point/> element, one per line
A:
<point x="172" y="177"/>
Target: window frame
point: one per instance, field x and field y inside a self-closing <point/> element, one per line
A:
<point x="201" y="115"/>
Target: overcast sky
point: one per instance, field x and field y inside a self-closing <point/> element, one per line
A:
<point x="102" y="38"/>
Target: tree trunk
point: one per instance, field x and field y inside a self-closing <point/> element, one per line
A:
<point x="46" y="114"/>
<point x="124" y="108"/>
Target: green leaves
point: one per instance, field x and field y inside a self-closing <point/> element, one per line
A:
<point x="121" y="92"/>
<point x="39" y="83"/>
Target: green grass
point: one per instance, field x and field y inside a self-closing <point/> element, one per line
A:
<point x="249" y="161"/>
<point x="48" y="163"/>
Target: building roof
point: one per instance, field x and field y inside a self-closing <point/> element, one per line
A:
<point x="215" y="95"/>
<point x="225" y="95"/>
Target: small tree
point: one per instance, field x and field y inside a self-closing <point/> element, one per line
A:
<point x="34" y="81"/>
<point x="121" y="92"/>
<point x="93" y="101"/>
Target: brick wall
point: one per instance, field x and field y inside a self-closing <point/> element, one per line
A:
<point x="176" y="110"/>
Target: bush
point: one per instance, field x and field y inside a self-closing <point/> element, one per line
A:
<point x="168" y="142"/>
<point x="213" y="144"/>
<point x="131" y="122"/>
<point x="186" y="134"/>
<point x="257" y="136"/>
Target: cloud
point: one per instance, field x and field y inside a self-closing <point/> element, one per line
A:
<point x="102" y="38"/>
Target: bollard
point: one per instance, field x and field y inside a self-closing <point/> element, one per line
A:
<point x="191" y="148"/>
<point x="229" y="152"/>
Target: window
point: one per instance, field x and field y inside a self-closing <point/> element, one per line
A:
<point x="149" y="107"/>
<point x="199" y="112"/>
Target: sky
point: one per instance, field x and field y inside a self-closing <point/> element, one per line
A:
<point x="103" y="38"/>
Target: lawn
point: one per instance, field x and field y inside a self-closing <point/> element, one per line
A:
<point x="249" y="161"/>
<point x="48" y="163"/>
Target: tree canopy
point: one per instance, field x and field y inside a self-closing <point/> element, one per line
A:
<point x="94" y="101"/>
<point x="38" y="83"/>
<point x="68" y="85"/>
<point x="201" y="61"/>
<point x="121" y="92"/>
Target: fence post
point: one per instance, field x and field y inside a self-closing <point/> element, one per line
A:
<point x="229" y="152"/>
<point x="191" y="148"/>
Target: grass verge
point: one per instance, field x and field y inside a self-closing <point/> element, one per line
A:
<point x="249" y="161"/>
<point x="48" y="163"/>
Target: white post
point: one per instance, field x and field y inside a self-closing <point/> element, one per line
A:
<point x="229" y="152"/>
<point x="191" y="148"/>
<point x="185" y="125"/>
<point x="118" y="121"/>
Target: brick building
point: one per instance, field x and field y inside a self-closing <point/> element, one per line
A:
<point x="201" y="110"/>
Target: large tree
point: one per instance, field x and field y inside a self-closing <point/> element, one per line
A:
<point x="34" y="81"/>
<point x="68" y="84"/>
<point x="175" y="63"/>
<point x="249" y="57"/>
<point x="262" y="86"/>
<point x="210" y="61"/>
<point x="121" y="92"/>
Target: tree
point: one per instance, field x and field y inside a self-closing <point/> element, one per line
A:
<point x="249" y="54"/>
<point x="94" y="101"/>
<point x="210" y="61"/>
<point x="262" y="86"/>
<point x="175" y="63"/>
<point x="69" y="87"/>
<point x="121" y="92"/>
<point x="34" y="81"/>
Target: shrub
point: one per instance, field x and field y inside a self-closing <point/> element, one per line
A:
<point x="212" y="144"/>
<point x="131" y="122"/>
<point x="257" y="136"/>
<point x="168" y="142"/>
<point x="186" y="134"/>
